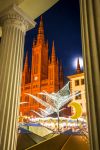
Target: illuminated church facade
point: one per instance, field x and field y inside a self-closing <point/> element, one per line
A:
<point x="46" y="73"/>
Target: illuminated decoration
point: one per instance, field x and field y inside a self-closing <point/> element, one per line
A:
<point x="78" y="109"/>
<point x="37" y="113"/>
<point x="36" y="78"/>
<point x="55" y="100"/>
<point x="23" y="103"/>
<point x="45" y="112"/>
<point x="51" y="123"/>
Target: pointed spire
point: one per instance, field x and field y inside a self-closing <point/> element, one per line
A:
<point x="49" y="61"/>
<point x="78" y="70"/>
<point x="57" y="61"/>
<point x="26" y="58"/>
<point x="47" y="43"/>
<point x="60" y="65"/>
<point x="26" y="62"/>
<point x="34" y="42"/>
<point x="40" y="36"/>
<point x="53" y="55"/>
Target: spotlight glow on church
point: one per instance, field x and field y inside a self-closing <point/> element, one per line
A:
<point x="75" y="62"/>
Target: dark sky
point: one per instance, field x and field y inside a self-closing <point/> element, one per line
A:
<point x="61" y="24"/>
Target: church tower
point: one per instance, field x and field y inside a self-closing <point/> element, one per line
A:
<point x="40" y="57"/>
<point x="53" y="71"/>
<point x="78" y="69"/>
<point x="26" y="72"/>
<point x="44" y="74"/>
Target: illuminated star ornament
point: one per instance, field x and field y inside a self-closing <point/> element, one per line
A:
<point x="56" y="101"/>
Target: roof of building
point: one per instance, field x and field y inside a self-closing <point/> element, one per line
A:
<point x="76" y="75"/>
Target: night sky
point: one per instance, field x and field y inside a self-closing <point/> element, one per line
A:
<point x="61" y="24"/>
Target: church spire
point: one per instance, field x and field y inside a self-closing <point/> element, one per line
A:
<point x="61" y="69"/>
<point x="49" y="61"/>
<point x="53" y="55"/>
<point x="26" y="61"/>
<point x="40" y="36"/>
<point x="78" y="70"/>
<point x="57" y="61"/>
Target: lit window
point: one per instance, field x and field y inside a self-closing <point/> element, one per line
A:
<point x="78" y="96"/>
<point x="81" y="105"/>
<point x="82" y="81"/>
<point x="76" y="82"/>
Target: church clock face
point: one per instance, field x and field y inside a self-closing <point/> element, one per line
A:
<point x="35" y="78"/>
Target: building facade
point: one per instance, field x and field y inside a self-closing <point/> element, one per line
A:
<point x="77" y="84"/>
<point x="46" y="73"/>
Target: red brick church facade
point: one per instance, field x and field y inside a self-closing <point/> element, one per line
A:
<point x="46" y="73"/>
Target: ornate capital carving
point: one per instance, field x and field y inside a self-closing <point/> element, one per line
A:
<point x="15" y="17"/>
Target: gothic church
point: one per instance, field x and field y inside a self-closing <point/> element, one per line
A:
<point x="46" y="73"/>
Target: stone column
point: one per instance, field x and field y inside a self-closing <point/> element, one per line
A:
<point x="14" y="25"/>
<point x="90" y="29"/>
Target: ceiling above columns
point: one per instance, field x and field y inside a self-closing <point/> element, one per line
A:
<point x="32" y="8"/>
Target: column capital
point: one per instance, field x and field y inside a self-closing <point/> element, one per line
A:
<point x="14" y="16"/>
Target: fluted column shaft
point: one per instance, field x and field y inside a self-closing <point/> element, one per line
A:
<point x="14" y="27"/>
<point x="90" y="29"/>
